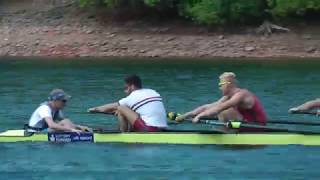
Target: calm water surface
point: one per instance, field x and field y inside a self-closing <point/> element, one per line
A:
<point x="25" y="84"/>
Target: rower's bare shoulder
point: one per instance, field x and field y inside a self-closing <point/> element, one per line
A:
<point x="246" y="92"/>
<point x="243" y="92"/>
<point x="245" y="95"/>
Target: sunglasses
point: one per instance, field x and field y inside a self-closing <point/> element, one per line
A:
<point x="64" y="101"/>
<point x="221" y="83"/>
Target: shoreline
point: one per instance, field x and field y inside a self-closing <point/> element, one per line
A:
<point x="81" y="34"/>
<point x="162" y="60"/>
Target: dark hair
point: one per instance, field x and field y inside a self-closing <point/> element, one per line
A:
<point x="134" y="80"/>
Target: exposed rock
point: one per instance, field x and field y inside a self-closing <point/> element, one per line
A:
<point x="123" y="48"/>
<point x="282" y="48"/>
<point x="220" y="45"/>
<point x="221" y="37"/>
<point x="249" y="48"/>
<point x="163" y="30"/>
<point x="36" y="43"/>
<point x="155" y="53"/>
<point x="105" y="49"/>
<point x="89" y="31"/>
<point x="91" y="44"/>
<point x="104" y="43"/>
<point x="170" y="39"/>
<point x="76" y="44"/>
<point x="311" y="49"/>
<point x="263" y="38"/>
<point x="306" y="36"/>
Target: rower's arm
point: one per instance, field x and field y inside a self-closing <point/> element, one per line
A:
<point x="219" y="107"/>
<point x="310" y="105"/>
<point x="196" y="111"/>
<point x="56" y="126"/>
<point x="221" y="100"/>
<point x="107" y="108"/>
<point x="201" y="109"/>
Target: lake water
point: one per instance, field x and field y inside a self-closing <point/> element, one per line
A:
<point x="24" y="84"/>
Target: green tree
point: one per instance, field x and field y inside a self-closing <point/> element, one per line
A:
<point x="289" y="8"/>
<point x="223" y="11"/>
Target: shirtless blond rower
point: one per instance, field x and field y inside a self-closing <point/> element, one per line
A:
<point x="235" y="104"/>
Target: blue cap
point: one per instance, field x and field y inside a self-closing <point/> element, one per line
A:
<point x="58" y="94"/>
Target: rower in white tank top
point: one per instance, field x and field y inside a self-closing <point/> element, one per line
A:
<point x="49" y="116"/>
<point x="148" y="104"/>
<point x="142" y="110"/>
<point x="37" y="119"/>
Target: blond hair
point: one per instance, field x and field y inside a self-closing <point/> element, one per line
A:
<point x="228" y="76"/>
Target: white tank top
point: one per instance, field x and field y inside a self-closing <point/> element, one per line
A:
<point x="148" y="104"/>
<point x="43" y="111"/>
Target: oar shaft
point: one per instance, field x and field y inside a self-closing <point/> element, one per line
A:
<point x="284" y="122"/>
<point x="244" y="125"/>
<point x="288" y="122"/>
<point x="213" y="122"/>
<point x="107" y="113"/>
<point x="304" y="112"/>
<point x="229" y="124"/>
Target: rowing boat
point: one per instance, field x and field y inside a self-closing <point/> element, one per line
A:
<point x="171" y="137"/>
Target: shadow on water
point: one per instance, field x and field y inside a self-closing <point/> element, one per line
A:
<point x="240" y="147"/>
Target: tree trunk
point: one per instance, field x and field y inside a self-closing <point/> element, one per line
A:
<point x="267" y="28"/>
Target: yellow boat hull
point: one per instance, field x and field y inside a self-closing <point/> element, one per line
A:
<point x="182" y="138"/>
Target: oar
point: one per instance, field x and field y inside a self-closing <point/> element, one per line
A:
<point x="242" y="125"/>
<point x="107" y="113"/>
<point x="285" y="122"/>
<point x="229" y="124"/>
<point x="304" y="112"/>
<point x="102" y="130"/>
<point x="288" y="122"/>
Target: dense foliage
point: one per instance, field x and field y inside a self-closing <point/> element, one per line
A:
<point x="211" y="12"/>
<point x="222" y="11"/>
<point x="287" y="8"/>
